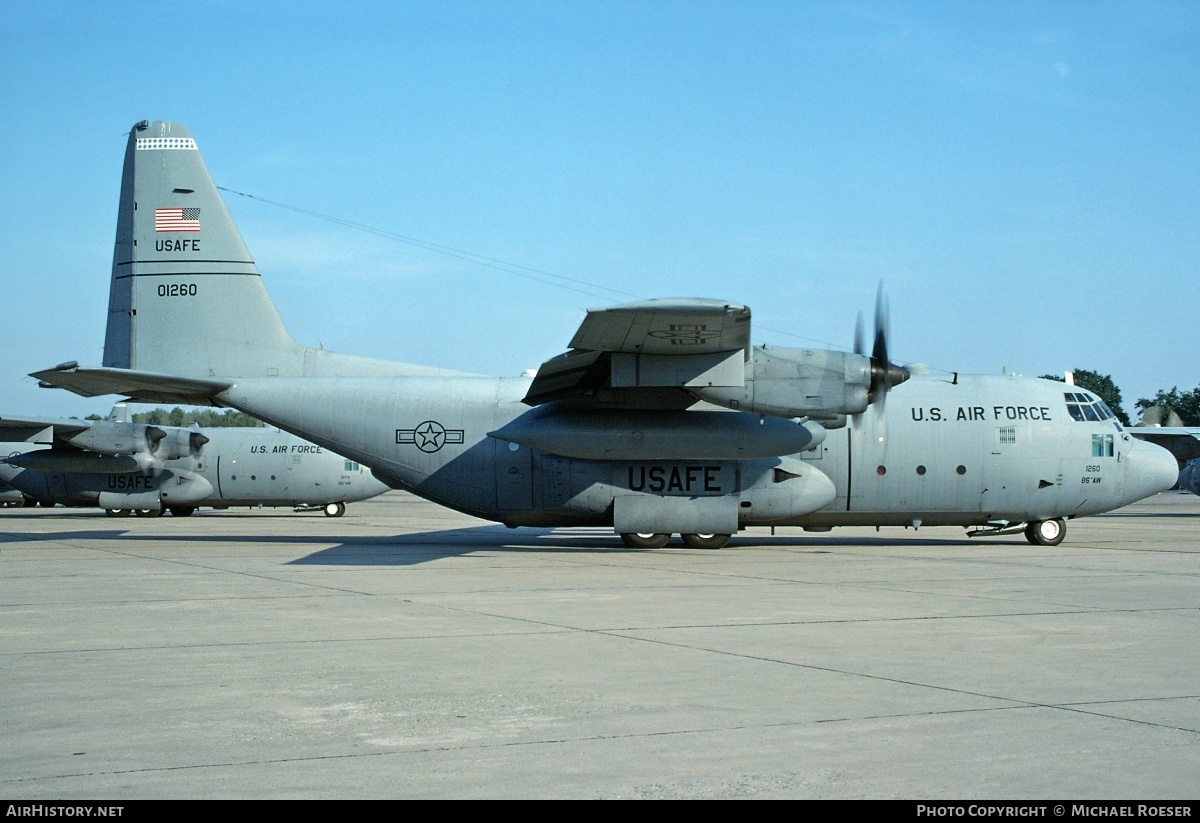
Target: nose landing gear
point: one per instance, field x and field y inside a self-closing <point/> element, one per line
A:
<point x="1046" y="532"/>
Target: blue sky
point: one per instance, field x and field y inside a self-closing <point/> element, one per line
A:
<point x="1023" y="177"/>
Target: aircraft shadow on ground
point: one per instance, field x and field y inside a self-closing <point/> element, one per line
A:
<point x="424" y="546"/>
<point x="421" y="547"/>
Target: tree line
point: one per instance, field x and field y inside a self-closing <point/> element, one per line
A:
<point x="206" y="418"/>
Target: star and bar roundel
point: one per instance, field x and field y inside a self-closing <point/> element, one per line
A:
<point x="430" y="436"/>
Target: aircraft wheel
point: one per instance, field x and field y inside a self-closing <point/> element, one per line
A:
<point x="1046" y="532"/>
<point x="148" y="512"/>
<point x="335" y="509"/>
<point x="705" y="541"/>
<point x="645" y="540"/>
<point x="181" y="511"/>
<point x="118" y="512"/>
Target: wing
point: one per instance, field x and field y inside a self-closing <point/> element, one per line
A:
<point x="1181" y="441"/>
<point x="634" y="353"/>
<point x="146" y="387"/>
<point x="22" y="429"/>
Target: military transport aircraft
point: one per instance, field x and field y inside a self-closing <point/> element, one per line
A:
<point x="660" y="419"/>
<point x="126" y="467"/>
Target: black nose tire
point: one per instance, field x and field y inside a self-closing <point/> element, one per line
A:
<point x="1046" y="532"/>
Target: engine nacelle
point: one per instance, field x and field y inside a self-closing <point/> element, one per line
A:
<point x="116" y="438"/>
<point x="111" y="437"/>
<point x="817" y="383"/>
<point x="172" y="444"/>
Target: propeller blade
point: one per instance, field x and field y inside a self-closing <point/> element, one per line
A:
<point x="885" y="374"/>
<point x="882" y="325"/>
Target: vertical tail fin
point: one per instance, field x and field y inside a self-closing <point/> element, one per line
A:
<point x="186" y="297"/>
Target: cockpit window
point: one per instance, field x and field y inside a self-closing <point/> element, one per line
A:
<point x="1084" y="407"/>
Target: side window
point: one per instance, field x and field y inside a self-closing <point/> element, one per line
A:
<point x="1102" y="445"/>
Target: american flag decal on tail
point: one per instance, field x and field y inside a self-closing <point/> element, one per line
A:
<point x="176" y="220"/>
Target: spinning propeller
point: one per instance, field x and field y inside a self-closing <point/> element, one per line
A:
<point x="885" y="374"/>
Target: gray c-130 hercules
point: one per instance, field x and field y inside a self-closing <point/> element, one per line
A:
<point x="126" y="468"/>
<point x="660" y="419"/>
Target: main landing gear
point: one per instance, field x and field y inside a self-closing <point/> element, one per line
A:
<point x="1046" y="532"/>
<point x="652" y="540"/>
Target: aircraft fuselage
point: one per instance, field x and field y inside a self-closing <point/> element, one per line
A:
<point x="239" y="467"/>
<point x="947" y="451"/>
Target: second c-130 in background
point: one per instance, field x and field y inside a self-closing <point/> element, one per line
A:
<point x="660" y="419"/>
<point x="135" y="468"/>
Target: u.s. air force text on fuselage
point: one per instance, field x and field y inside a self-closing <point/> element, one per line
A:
<point x="294" y="448"/>
<point x="972" y="414"/>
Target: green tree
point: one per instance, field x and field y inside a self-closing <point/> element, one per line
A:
<point x="1102" y="386"/>
<point x="1184" y="404"/>
<point x="208" y="418"/>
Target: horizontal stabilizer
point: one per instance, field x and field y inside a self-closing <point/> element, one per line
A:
<point x="146" y="387"/>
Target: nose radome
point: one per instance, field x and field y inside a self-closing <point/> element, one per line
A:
<point x="1149" y="469"/>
